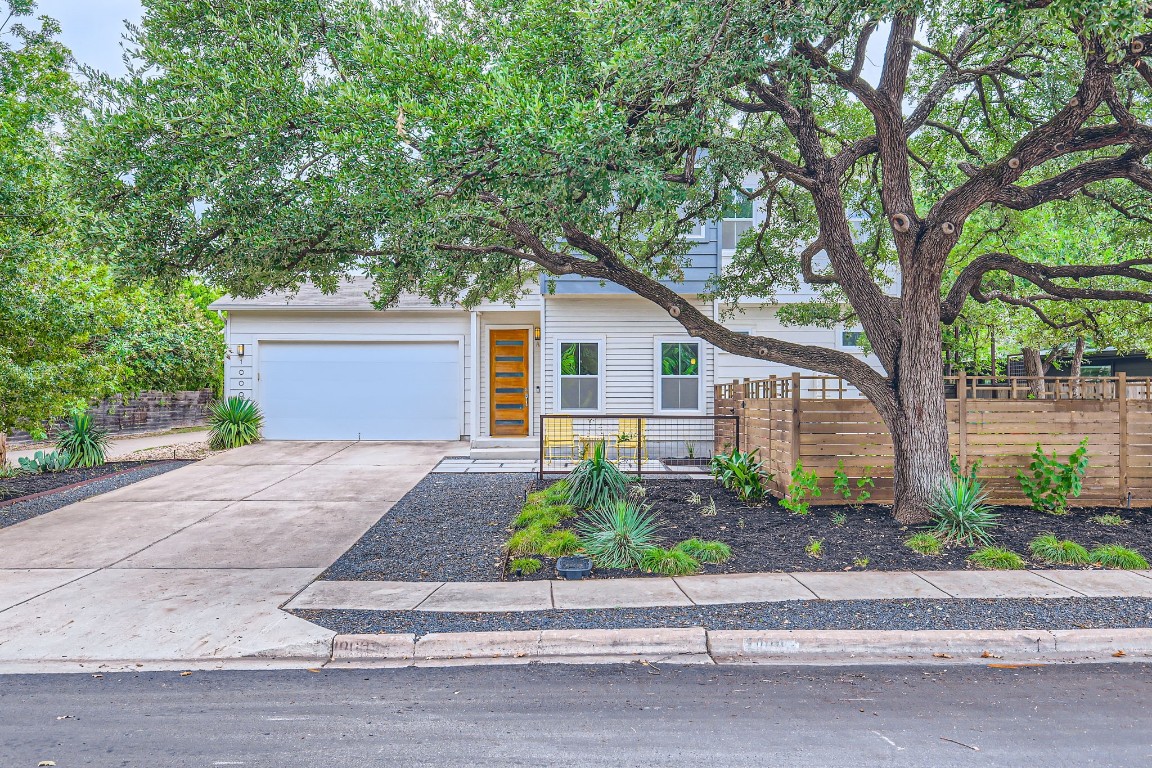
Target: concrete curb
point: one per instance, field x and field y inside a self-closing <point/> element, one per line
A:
<point x="696" y="645"/>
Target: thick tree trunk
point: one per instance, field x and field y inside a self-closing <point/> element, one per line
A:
<point x="3" y="448"/>
<point x="919" y="425"/>
<point x="1034" y="370"/>
<point x="1077" y="367"/>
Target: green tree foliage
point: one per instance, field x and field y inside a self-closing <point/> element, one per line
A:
<point x="458" y="149"/>
<point x="54" y="308"/>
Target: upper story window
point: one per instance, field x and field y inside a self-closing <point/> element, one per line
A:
<point x="737" y="220"/>
<point x="580" y="375"/>
<point x="699" y="231"/>
<point x="679" y="376"/>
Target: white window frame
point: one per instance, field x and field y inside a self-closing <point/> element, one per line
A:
<point x="699" y="231"/>
<point x="840" y="331"/>
<point x="658" y="391"/>
<point x="601" y="363"/>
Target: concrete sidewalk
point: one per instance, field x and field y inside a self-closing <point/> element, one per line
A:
<point x="469" y="597"/>
<point x="193" y="565"/>
<point x="119" y="447"/>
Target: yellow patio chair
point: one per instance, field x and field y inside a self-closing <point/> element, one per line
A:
<point x="559" y="439"/>
<point x="631" y="437"/>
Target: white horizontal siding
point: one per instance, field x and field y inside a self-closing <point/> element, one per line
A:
<point x="630" y="327"/>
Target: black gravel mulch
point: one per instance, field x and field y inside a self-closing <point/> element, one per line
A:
<point x="770" y="538"/>
<point x="1064" y="613"/>
<point x="450" y="527"/>
<point x="26" y="485"/>
<point x="97" y="483"/>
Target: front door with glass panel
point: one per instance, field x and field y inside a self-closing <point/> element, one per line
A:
<point x="508" y="382"/>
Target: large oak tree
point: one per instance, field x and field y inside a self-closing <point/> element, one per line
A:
<point x="458" y="148"/>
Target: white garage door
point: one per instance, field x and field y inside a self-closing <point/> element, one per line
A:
<point x="360" y="391"/>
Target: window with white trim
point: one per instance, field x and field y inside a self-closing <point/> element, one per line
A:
<point x="679" y="376"/>
<point x="580" y="372"/>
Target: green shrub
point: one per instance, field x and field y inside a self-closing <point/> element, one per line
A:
<point x="596" y="483"/>
<point x="841" y="485"/>
<point x="1115" y="556"/>
<point x="804" y="485"/>
<point x="617" y="537"/>
<point x="924" y="543"/>
<point x="1050" y="482"/>
<point x="40" y="462"/>
<point x="1048" y="548"/>
<point x="961" y="515"/>
<point x="233" y="422"/>
<point x="1110" y="520"/>
<point x="996" y="559"/>
<point x="560" y="543"/>
<point x="711" y="552"/>
<point x="527" y="541"/>
<point x="668" y="562"/>
<point x="84" y="442"/>
<point x="526" y="565"/>
<point x="740" y="472"/>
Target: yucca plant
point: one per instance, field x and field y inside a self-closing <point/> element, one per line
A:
<point x="596" y="483"/>
<point x="233" y="422"/>
<point x="84" y="442"/>
<point x="1052" y="550"/>
<point x="617" y="537"/>
<point x="961" y="514"/>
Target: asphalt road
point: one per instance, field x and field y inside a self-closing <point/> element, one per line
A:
<point x="928" y="717"/>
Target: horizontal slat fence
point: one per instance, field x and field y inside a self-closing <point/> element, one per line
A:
<point x="816" y="421"/>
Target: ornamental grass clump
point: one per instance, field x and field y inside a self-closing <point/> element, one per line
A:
<point x="596" y="483"/>
<point x="997" y="559"/>
<point x="84" y="442"/>
<point x="668" y="562"/>
<point x="710" y="552"/>
<point x="560" y="543"/>
<point x="233" y="422"/>
<point x="961" y="514"/>
<point x="1049" y="549"/>
<point x="924" y="543"/>
<point x="618" y="536"/>
<point x="1116" y="556"/>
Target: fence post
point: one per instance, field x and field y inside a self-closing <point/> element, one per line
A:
<point x="1122" y="407"/>
<point x="962" y="416"/>
<point x="795" y="419"/>
<point x="542" y="438"/>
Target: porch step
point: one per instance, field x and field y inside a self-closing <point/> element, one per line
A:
<point x="505" y="452"/>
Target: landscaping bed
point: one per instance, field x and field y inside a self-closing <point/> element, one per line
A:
<point x="28" y="484"/>
<point x="452" y="527"/>
<point x="18" y="510"/>
<point x="769" y="538"/>
<point x="1061" y="613"/>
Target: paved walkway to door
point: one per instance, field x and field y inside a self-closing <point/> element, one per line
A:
<point x="194" y="564"/>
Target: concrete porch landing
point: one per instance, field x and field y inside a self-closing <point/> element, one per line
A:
<point x="473" y="465"/>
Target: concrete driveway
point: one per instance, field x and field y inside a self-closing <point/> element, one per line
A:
<point x="191" y="566"/>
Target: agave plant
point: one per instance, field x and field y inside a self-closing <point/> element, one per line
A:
<point x="619" y="536"/>
<point x="961" y="513"/>
<point x="596" y="482"/>
<point x="233" y="422"/>
<point x="85" y="444"/>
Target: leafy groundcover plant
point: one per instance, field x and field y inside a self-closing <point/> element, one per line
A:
<point x="233" y="422"/>
<point x="619" y="536"/>
<point x="84" y="442"/>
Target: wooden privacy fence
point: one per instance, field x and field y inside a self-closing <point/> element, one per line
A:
<point x="819" y="421"/>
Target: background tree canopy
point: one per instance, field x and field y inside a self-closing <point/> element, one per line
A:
<point x="457" y="149"/>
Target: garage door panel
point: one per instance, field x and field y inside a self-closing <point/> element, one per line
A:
<point x="366" y="391"/>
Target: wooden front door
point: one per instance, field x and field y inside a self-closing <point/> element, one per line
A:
<point x="508" y="382"/>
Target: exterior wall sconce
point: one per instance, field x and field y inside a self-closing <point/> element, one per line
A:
<point x="536" y="333"/>
<point x="240" y="351"/>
